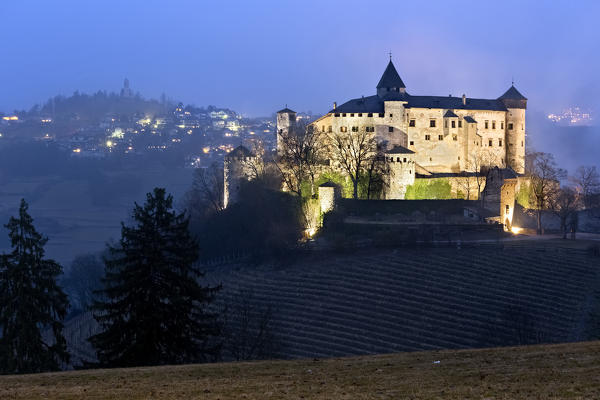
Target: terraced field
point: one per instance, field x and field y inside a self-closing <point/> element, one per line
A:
<point x="406" y="300"/>
<point x="410" y="300"/>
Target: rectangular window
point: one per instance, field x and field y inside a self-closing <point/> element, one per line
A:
<point x="343" y="129"/>
<point x="432" y="123"/>
<point x="412" y="123"/>
<point x="445" y="123"/>
<point x="460" y="124"/>
<point x="360" y="114"/>
<point x="355" y="129"/>
<point x="493" y="124"/>
<point x="501" y="125"/>
<point x="330" y="129"/>
<point x="370" y="129"/>
<point x="522" y="144"/>
<point x="427" y="137"/>
<point x="352" y="115"/>
<point x="500" y="142"/>
<point x="369" y="114"/>
<point x="323" y="128"/>
<point x="455" y="137"/>
<point x="390" y="129"/>
<point x="404" y="159"/>
<point x="380" y="115"/>
<point x="487" y="124"/>
<point x="336" y="114"/>
<point x="440" y="137"/>
<point x="391" y="115"/>
<point x="412" y="143"/>
<point x="490" y="143"/>
<point x="453" y="124"/>
<point x="510" y="127"/>
<point x="343" y="114"/>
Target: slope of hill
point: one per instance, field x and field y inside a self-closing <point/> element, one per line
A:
<point x="566" y="371"/>
<point x="406" y="300"/>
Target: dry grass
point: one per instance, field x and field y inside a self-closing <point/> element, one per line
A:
<point x="566" y="371"/>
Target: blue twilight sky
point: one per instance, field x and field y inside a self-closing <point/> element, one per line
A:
<point x="256" y="56"/>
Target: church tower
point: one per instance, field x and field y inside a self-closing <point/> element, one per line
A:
<point x="516" y="104"/>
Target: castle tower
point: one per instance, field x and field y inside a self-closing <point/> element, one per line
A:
<point x="286" y="121"/>
<point x="390" y="82"/>
<point x="238" y="165"/>
<point x="516" y="105"/>
<point x="401" y="171"/>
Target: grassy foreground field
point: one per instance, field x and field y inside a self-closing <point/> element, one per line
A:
<point x="565" y="371"/>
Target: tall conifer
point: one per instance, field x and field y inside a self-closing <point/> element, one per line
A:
<point x="152" y="309"/>
<point x="30" y="302"/>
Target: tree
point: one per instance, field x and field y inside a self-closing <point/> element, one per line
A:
<point x="300" y="153"/>
<point x="248" y="328"/>
<point x="565" y="204"/>
<point x="587" y="183"/>
<point x="352" y="151"/>
<point x="82" y="280"/>
<point x="545" y="182"/>
<point x="30" y="301"/>
<point x="153" y="311"/>
<point x="206" y="194"/>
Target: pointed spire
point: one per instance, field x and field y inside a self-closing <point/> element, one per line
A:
<point x="390" y="78"/>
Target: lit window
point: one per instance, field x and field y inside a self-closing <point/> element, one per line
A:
<point x="432" y="123"/>
<point x="343" y="129"/>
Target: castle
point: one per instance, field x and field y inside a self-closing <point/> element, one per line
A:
<point x="429" y="135"/>
<point x="421" y="137"/>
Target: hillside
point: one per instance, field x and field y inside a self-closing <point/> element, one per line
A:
<point x="374" y="302"/>
<point x="566" y="371"/>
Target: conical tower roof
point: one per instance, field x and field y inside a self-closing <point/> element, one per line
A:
<point x="512" y="94"/>
<point x="390" y="78"/>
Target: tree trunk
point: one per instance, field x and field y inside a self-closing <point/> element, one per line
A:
<point x="539" y="222"/>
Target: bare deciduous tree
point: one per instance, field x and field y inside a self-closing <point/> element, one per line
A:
<point x="565" y="204"/>
<point x="545" y="178"/>
<point x="206" y="193"/>
<point x="587" y="183"/>
<point x="353" y="151"/>
<point x="300" y="153"/>
<point x="248" y="332"/>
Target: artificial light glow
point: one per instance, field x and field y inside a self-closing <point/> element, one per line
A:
<point x="11" y="118"/>
<point x="516" y="230"/>
<point x="76" y="150"/>
<point x="109" y="143"/>
<point x="206" y="150"/>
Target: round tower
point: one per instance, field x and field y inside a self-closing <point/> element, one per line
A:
<point x="401" y="172"/>
<point x="516" y="104"/>
<point x="286" y="121"/>
<point x="238" y="165"/>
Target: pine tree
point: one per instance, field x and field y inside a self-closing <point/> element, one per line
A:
<point x="152" y="309"/>
<point x="30" y="302"/>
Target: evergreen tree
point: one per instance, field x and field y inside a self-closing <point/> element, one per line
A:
<point x="152" y="309"/>
<point x="30" y="301"/>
